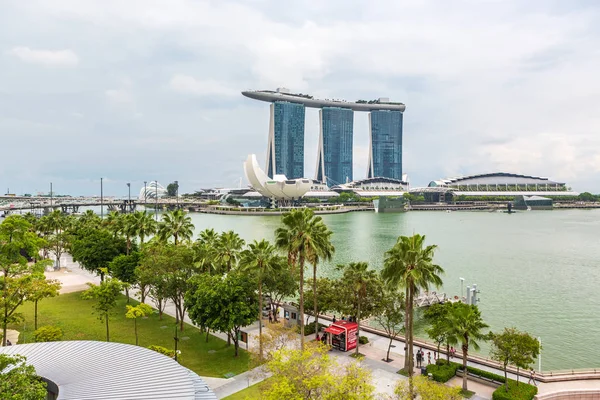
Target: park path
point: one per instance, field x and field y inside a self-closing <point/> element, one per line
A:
<point x="384" y="374"/>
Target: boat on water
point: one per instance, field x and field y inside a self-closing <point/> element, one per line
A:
<point x="390" y="204"/>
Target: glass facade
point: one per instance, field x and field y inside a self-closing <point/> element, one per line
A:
<point x="335" y="151"/>
<point x="385" y="159"/>
<point x="287" y="146"/>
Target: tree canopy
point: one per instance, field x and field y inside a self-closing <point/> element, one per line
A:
<point x="18" y="380"/>
<point x="94" y="249"/>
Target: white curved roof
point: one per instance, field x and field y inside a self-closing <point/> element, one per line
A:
<point x="279" y="187"/>
<point x="91" y="370"/>
<point x="499" y="178"/>
<point x="152" y="189"/>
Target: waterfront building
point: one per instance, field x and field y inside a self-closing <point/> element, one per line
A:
<point x="375" y="187"/>
<point x="385" y="144"/>
<point x="285" y="149"/>
<point x="498" y="184"/>
<point x="279" y="188"/>
<point x="334" y="159"/>
<point x="152" y="190"/>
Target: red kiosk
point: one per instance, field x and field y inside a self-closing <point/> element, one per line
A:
<point x="342" y="335"/>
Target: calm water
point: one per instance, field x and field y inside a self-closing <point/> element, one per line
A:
<point x="537" y="270"/>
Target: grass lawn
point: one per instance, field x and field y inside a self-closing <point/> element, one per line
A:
<point x="251" y="393"/>
<point x="76" y="319"/>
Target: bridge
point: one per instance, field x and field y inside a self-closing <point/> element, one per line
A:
<point x="73" y="204"/>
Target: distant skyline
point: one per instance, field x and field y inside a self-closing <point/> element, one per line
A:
<point x="137" y="90"/>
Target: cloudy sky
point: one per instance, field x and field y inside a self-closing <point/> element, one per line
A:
<point x="134" y="90"/>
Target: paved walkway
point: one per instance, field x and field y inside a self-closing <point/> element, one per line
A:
<point x="384" y="374"/>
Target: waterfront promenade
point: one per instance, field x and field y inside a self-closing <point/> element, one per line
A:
<point x="384" y="374"/>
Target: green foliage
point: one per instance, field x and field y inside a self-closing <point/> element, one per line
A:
<point x="520" y="391"/>
<point x="228" y="250"/>
<point x="123" y="267"/>
<point x="18" y="381"/>
<point x="363" y="340"/>
<point x="391" y="315"/>
<point x="327" y="297"/>
<point x="442" y="372"/>
<point x="587" y="196"/>
<point x="48" y="334"/>
<point x="222" y="303"/>
<point x="280" y="284"/>
<point x="162" y="350"/>
<point x="172" y="189"/>
<point x="94" y="249"/>
<point x="310" y="328"/>
<point x="313" y="374"/>
<point x="177" y="225"/>
<point x="482" y="373"/>
<point x="106" y="295"/>
<point x="513" y="346"/>
<point x="426" y="390"/>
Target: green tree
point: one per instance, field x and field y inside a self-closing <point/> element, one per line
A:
<point x="114" y="222"/>
<point x="89" y="219"/>
<point x="94" y="249"/>
<point x="437" y="316"/>
<point x="144" y="225"/>
<point x="149" y="276"/>
<point x="391" y="314"/>
<point x="172" y="189"/>
<point x="128" y="229"/>
<point x="587" y="196"/>
<point x="410" y="265"/>
<point x="222" y="303"/>
<point x="18" y="381"/>
<point x="134" y="312"/>
<point x="48" y="334"/>
<point x="466" y="329"/>
<point x="328" y="296"/>
<point x="40" y="289"/>
<point x="527" y="350"/>
<point x="177" y="225"/>
<point x="106" y="295"/>
<point x="260" y="260"/>
<point x="361" y="292"/>
<point x="304" y="237"/>
<point x="16" y="274"/>
<point x="123" y="268"/>
<point x="313" y="374"/>
<point x="228" y="250"/>
<point x="280" y="284"/>
<point x="58" y="239"/>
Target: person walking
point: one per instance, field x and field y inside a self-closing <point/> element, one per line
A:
<point x="451" y="352"/>
<point x="419" y="359"/>
<point x="334" y="319"/>
<point x="270" y="317"/>
<point x="428" y="357"/>
<point x="532" y="377"/>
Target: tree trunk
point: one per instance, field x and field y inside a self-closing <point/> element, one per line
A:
<point x="101" y="277"/>
<point x="409" y="341"/>
<point x="358" y="327"/>
<point x="107" y="333"/>
<point x="315" y="302"/>
<point x="127" y="293"/>
<point x="387" y="358"/>
<point x="236" y="344"/>
<point x="260" y="305"/>
<point x="4" y="324"/>
<point x="35" y="316"/>
<point x="505" y="378"/>
<point x="135" y="329"/>
<point x="465" y="349"/>
<point x="207" y="330"/>
<point x="301" y="302"/>
<point x="406" y="331"/>
<point x="448" y="352"/>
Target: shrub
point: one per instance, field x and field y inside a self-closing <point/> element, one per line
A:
<point x="363" y="340"/>
<point x="442" y="372"/>
<point x="484" y="374"/>
<point x="48" y="334"/>
<point x="163" y="350"/>
<point x="522" y="391"/>
<point x="310" y="328"/>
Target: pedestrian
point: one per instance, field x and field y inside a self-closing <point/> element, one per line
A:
<point x="343" y="317"/>
<point x="532" y="378"/>
<point x="8" y="342"/>
<point x="419" y="359"/>
<point x="428" y="357"/>
<point x="334" y="319"/>
<point x="435" y="354"/>
<point x="452" y="352"/>
<point x="270" y="317"/>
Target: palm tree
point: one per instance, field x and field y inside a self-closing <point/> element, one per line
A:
<point x="465" y="327"/>
<point x="114" y="222"/>
<point x="359" y="276"/>
<point x="90" y="219"/>
<point x="176" y="224"/>
<point x="208" y="236"/>
<point x="304" y="237"/>
<point x="144" y="225"/>
<point x="228" y="249"/>
<point x="260" y="258"/>
<point x="410" y="265"/>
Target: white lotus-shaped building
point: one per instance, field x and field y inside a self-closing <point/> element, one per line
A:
<point x="152" y="190"/>
<point x="279" y="187"/>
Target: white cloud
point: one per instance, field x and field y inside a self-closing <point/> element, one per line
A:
<point x="188" y="84"/>
<point x="51" y="58"/>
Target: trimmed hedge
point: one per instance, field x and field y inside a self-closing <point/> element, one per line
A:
<point x="442" y="372"/>
<point x="363" y="340"/>
<point x="523" y="391"/>
<point x="310" y="328"/>
<point x="484" y="374"/>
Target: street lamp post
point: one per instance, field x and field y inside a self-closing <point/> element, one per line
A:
<point x="101" y="199"/>
<point x="128" y="198"/>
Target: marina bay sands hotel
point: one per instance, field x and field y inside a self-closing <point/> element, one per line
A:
<point x="285" y="149"/>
